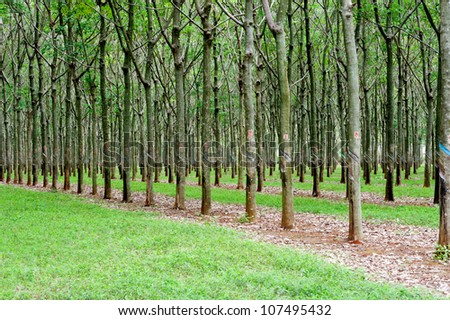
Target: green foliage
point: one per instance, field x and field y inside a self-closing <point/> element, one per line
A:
<point x="3" y="9"/>
<point x="243" y="219"/>
<point x="442" y="253"/>
<point x="59" y="246"/>
<point x="84" y="8"/>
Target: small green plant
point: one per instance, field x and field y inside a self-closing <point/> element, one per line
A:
<point x="442" y="253"/>
<point x="243" y="218"/>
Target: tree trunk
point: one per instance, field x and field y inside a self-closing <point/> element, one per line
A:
<point x="285" y="144"/>
<point x="259" y="114"/>
<point x="107" y="156"/>
<point x="217" y="124"/>
<point x="93" y="137"/>
<point x="150" y="159"/>
<point x="126" y="68"/>
<point x="354" y="135"/>
<point x="400" y="98"/>
<point x="206" y="142"/>
<point x="2" y="162"/>
<point x="388" y="36"/>
<point x="68" y="101"/>
<point x="429" y="116"/>
<point x="54" y="103"/>
<point x="444" y="155"/>
<point x="250" y="145"/>
<point x="366" y="137"/>
<point x="314" y="140"/>
<point x="180" y="142"/>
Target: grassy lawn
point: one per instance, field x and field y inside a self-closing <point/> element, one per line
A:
<point x="404" y="214"/>
<point x="59" y="246"/>
<point x="409" y="188"/>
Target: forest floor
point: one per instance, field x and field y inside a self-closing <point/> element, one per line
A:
<point x="366" y="197"/>
<point x="391" y="252"/>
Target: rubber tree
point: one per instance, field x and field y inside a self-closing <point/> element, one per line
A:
<point x="104" y="103"/>
<point x="444" y="137"/>
<point x="127" y="101"/>
<point x="68" y="43"/>
<point x="1" y="104"/>
<point x="54" y="94"/>
<point x="314" y="136"/>
<point x="388" y="36"/>
<point x="285" y="147"/>
<point x="204" y="12"/>
<point x="180" y="135"/>
<point x="250" y="145"/>
<point x="354" y="132"/>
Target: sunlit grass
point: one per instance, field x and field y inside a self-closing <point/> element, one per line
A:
<point x="59" y="246"/>
<point x="404" y="214"/>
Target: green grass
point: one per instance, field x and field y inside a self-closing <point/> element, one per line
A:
<point x="59" y="246"/>
<point x="403" y="214"/>
<point x="409" y="188"/>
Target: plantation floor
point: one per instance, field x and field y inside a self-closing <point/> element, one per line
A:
<point x="366" y="197"/>
<point x="60" y="246"/>
<point x="401" y="254"/>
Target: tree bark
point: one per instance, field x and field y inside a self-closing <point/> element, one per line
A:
<point x="366" y="138"/>
<point x="444" y="154"/>
<point x="314" y="139"/>
<point x="354" y="135"/>
<point x="107" y="157"/>
<point x="388" y="36"/>
<point x="2" y="157"/>
<point x="206" y="138"/>
<point x="285" y="144"/>
<point x="180" y="107"/>
<point x="68" y="100"/>
<point x="250" y="145"/>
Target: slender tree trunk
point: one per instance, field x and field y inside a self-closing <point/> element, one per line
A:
<point x="400" y="93"/>
<point x="354" y="136"/>
<point x="342" y="111"/>
<point x="250" y="146"/>
<point x="259" y="114"/>
<point x="217" y="124"/>
<point x="429" y="116"/>
<point x="285" y="144"/>
<point x="2" y="157"/>
<point x="180" y="147"/>
<point x="376" y="134"/>
<point x="444" y="155"/>
<point x="366" y="138"/>
<point x="79" y="122"/>
<point x="150" y="159"/>
<point x="34" y="120"/>
<point x="312" y="105"/>
<point x="437" y="180"/>
<point x="68" y="101"/>
<point x="93" y="137"/>
<point x="55" y="145"/>
<point x="107" y="156"/>
<point x="126" y="68"/>
<point x="240" y="126"/>
<point x="388" y="36"/>
<point x="206" y="105"/>
<point x="158" y="136"/>
<point x="40" y="98"/>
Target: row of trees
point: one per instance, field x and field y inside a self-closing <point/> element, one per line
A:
<point x="212" y="85"/>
